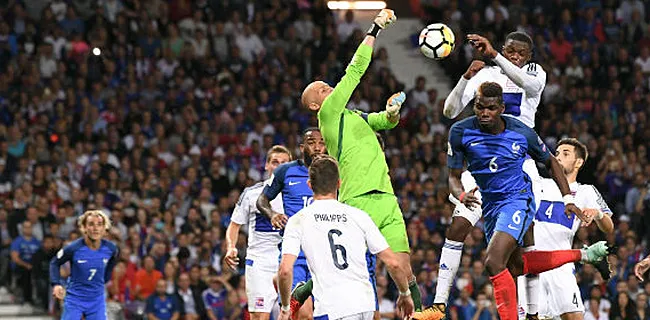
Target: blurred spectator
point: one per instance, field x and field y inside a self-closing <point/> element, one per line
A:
<point x="345" y="28"/>
<point x="146" y="279"/>
<point x="162" y="305"/>
<point x="192" y="307"/>
<point x="23" y="249"/>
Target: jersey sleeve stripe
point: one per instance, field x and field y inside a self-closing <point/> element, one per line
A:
<point x="601" y="201"/>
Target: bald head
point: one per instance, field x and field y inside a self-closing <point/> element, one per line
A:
<point x="314" y="95"/>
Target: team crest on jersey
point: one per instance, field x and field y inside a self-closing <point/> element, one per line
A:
<point x="259" y="302"/>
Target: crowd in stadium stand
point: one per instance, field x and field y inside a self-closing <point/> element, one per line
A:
<point x="159" y="113"/>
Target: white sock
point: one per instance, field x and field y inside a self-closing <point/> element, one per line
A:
<point x="532" y="288"/>
<point x="452" y="251"/>
<point x="532" y="292"/>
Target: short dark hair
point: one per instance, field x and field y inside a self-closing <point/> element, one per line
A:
<point x="277" y="149"/>
<point x="308" y="130"/>
<point x="520" y="36"/>
<point x="580" y="148"/>
<point x="490" y="90"/>
<point x="324" y="175"/>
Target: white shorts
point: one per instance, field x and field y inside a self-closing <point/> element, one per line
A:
<point x="359" y="316"/>
<point x="259" y="286"/>
<point x="473" y="216"/>
<point x="559" y="292"/>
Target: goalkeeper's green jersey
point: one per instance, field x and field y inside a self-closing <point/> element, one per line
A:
<point x="350" y="135"/>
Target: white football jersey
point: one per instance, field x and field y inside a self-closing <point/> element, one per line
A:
<point x="263" y="240"/>
<point x="518" y="104"/>
<point x="335" y="238"/>
<point x="554" y="230"/>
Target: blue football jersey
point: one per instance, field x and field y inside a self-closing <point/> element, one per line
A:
<point x="290" y="179"/>
<point x="495" y="161"/>
<point x="90" y="269"/>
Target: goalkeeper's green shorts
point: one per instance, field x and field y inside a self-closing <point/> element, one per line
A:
<point x="384" y="210"/>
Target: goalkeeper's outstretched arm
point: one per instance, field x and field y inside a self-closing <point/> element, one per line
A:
<point x="340" y="95"/>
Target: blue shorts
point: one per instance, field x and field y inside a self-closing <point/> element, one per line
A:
<point x="512" y="216"/>
<point x="371" y="260"/>
<point x="73" y="309"/>
<point x="300" y="272"/>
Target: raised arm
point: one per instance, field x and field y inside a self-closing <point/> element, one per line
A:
<point x="532" y="80"/>
<point x="335" y="103"/>
<point x="455" y="102"/>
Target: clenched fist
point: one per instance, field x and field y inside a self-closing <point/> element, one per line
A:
<point x="385" y="18"/>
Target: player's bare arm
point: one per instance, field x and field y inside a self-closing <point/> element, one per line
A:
<point x="469" y="199"/>
<point x="641" y="268"/>
<point x="453" y="105"/>
<point x="232" y="235"/>
<point x="400" y="274"/>
<point x="557" y="173"/>
<point x="278" y="220"/>
<point x="285" y="279"/>
<point x="603" y="220"/>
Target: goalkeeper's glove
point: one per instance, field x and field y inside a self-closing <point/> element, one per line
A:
<point x="385" y="18"/>
<point x="394" y="104"/>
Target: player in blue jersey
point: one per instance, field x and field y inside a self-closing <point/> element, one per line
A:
<point x="290" y="180"/>
<point x="495" y="147"/>
<point x="92" y="260"/>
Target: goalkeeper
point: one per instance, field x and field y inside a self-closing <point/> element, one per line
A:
<point x="350" y="138"/>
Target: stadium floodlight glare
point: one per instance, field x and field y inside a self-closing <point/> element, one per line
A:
<point x="356" y="5"/>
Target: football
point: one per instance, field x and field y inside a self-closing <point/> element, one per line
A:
<point x="437" y="41"/>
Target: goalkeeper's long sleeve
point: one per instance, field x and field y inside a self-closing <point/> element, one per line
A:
<point x="453" y="105"/>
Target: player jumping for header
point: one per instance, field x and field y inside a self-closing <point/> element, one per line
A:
<point x="494" y="148"/>
<point x="92" y="260"/>
<point x="350" y="138"/>
<point x="522" y="82"/>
